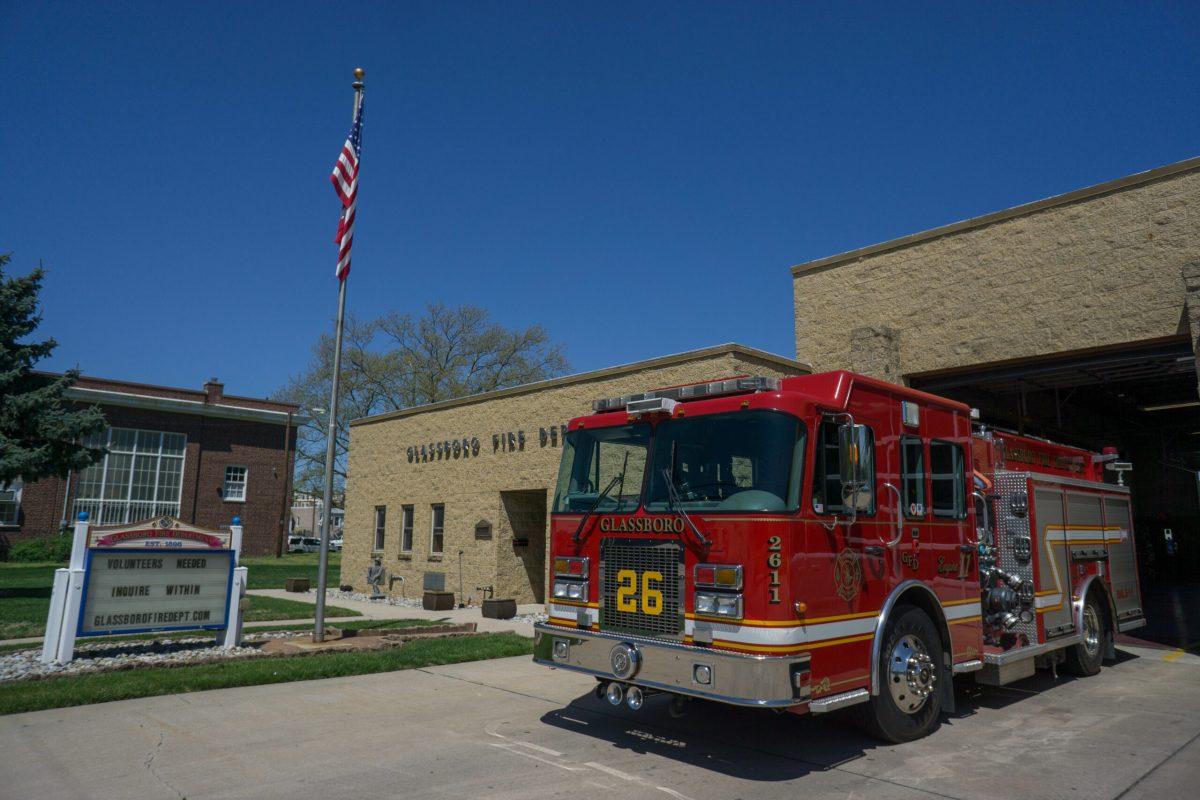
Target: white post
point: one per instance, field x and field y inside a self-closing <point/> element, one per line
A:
<point x="66" y="599"/>
<point x="232" y="635"/>
<point x="58" y="597"/>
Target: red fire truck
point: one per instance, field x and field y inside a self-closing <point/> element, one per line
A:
<point x="829" y="540"/>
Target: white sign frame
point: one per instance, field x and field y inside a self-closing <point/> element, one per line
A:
<point x="159" y="535"/>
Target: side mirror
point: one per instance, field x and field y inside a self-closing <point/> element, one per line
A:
<point x="854" y="447"/>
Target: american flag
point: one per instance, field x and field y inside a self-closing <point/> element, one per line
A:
<point x="345" y="183"/>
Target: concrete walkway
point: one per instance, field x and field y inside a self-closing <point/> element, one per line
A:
<point x="382" y="610"/>
<point x="511" y="730"/>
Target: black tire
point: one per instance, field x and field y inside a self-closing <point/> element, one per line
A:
<point x="883" y="715"/>
<point x="1084" y="659"/>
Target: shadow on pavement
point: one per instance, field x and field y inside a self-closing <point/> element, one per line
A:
<point x="759" y="745"/>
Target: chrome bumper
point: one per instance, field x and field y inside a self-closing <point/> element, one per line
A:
<point x="736" y="678"/>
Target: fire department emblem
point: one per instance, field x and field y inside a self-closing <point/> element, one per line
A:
<point x="847" y="575"/>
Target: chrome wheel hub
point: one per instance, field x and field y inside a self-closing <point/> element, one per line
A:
<point x="911" y="674"/>
<point x="1091" y="630"/>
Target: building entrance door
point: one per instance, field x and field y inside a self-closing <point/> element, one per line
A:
<point x="521" y="561"/>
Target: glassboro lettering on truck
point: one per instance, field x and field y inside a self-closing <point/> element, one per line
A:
<point x="825" y="541"/>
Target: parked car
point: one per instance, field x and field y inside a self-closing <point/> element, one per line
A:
<point x="311" y="545"/>
<point x="335" y="545"/>
<point x="295" y="544"/>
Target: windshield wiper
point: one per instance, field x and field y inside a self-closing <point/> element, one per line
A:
<point x="600" y="498"/>
<point x="675" y="504"/>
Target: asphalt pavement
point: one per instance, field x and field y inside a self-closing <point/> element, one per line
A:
<point x="510" y="729"/>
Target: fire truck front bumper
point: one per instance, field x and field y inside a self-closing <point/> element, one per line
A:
<point x="737" y="678"/>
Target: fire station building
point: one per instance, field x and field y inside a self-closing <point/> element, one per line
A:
<point x="1075" y="318"/>
<point x="454" y="496"/>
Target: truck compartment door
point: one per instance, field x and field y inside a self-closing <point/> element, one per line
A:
<point x="1122" y="562"/>
<point x="1054" y="575"/>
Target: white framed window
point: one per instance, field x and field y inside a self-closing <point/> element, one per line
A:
<point x="140" y="477"/>
<point x="235" y="484"/>
<point x="406" y="529"/>
<point x="437" y="527"/>
<point x="10" y="503"/>
<point x="380" y="525"/>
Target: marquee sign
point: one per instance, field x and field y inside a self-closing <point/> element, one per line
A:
<point x="160" y="574"/>
<point x="155" y="575"/>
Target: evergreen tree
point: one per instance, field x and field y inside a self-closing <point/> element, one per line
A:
<point x="40" y="431"/>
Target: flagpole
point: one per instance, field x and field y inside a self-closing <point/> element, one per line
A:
<point x="332" y="422"/>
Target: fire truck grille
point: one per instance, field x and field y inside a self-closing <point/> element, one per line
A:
<point x="628" y="600"/>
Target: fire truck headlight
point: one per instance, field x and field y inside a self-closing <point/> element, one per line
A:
<point x="570" y="590"/>
<point x="712" y="604"/>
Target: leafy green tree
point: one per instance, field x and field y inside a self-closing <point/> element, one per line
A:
<point x="40" y="431"/>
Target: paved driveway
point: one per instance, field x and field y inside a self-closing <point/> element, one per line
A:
<point x="508" y="729"/>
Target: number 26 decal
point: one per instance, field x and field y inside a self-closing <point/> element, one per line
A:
<point x="627" y="592"/>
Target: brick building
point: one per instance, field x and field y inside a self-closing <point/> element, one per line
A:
<point x="1076" y="318"/>
<point x="476" y="475"/>
<point x="199" y="455"/>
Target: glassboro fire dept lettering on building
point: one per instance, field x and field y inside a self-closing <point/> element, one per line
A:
<point x="828" y="540"/>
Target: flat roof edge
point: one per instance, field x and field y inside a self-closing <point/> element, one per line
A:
<point x="1075" y="196"/>
<point x="583" y="377"/>
<point x="179" y="406"/>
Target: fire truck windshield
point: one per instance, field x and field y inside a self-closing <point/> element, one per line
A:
<point x="595" y="458"/>
<point x="739" y="461"/>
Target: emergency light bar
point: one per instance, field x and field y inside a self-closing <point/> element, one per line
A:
<point x="695" y="391"/>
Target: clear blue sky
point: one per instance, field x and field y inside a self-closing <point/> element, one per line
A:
<point x="635" y="177"/>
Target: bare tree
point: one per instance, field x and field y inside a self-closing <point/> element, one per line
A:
<point x="398" y="361"/>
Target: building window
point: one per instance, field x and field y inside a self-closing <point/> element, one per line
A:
<point x="437" y="528"/>
<point x="10" y="503"/>
<point x="827" y="479"/>
<point x="947" y="480"/>
<point x="235" y="484"/>
<point x="406" y="529"/>
<point x="380" y="525"/>
<point x="140" y="477"/>
<point x="912" y="476"/>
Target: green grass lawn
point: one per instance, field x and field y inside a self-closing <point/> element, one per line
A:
<point x="25" y="598"/>
<point x="268" y="572"/>
<point x="103" y="687"/>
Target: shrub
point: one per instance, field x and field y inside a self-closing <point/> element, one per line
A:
<point x="50" y="548"/>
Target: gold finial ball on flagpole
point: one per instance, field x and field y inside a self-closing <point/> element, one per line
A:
<point x="359" y="72"/>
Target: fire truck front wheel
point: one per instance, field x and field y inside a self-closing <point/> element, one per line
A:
<point x="910" y="669"/>
<point x="1084" y="658"/>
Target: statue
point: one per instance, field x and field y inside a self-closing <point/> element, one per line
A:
<point x="375" y="576"/>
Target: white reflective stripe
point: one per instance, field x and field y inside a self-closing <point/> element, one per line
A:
<point x="774" y="636"/>
<point x="572" y="612"/>
<point x="962" y="611"/>
<point x="793" y="635"/>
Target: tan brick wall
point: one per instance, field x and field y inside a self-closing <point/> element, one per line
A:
<point x="1098" y="271"/>
<point x="471" y="486"/>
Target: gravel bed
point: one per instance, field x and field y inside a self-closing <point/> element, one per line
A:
<point x="532" y="619"/>
<point x="23" y="665"/>
<point x="338" y="594"/>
